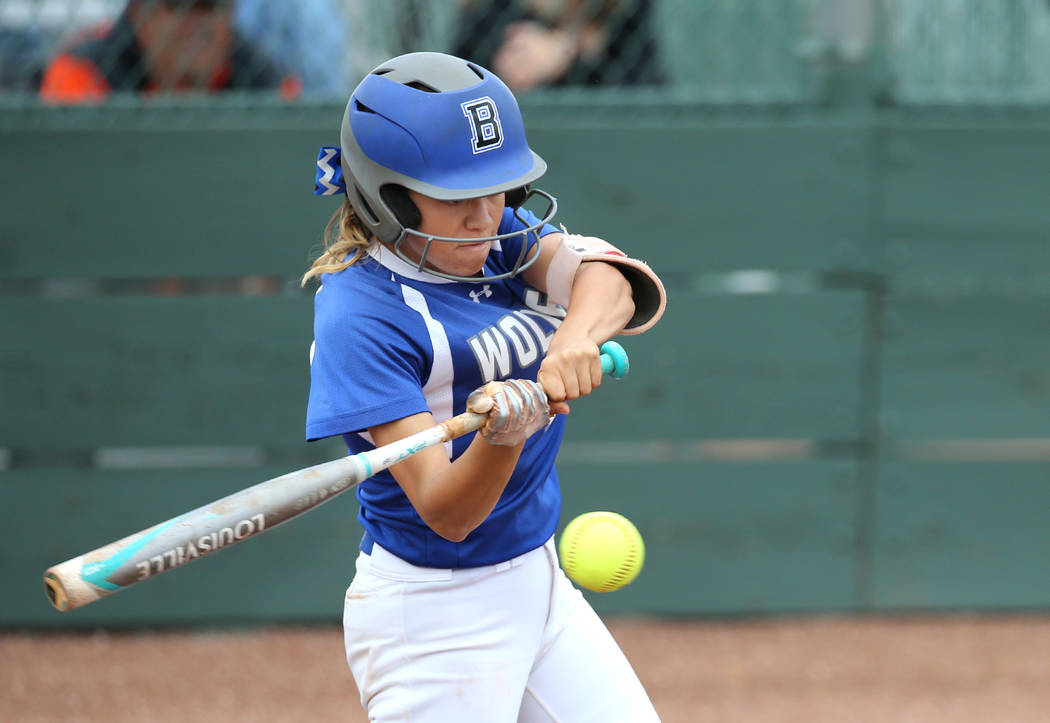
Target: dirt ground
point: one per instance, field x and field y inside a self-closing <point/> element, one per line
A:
<point x="985" y="669"/>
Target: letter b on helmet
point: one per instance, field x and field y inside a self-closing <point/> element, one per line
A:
<point x="486" y="132"/>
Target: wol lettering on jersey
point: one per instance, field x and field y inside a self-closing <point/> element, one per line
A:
<point x="520" y="333"/>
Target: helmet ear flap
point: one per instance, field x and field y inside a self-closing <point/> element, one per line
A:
<point x="516" y="196"/>
<point x="397" y="200"/>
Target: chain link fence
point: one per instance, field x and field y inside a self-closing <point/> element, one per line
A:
<point x="973" y="52"/>
<point x="719" y="52"/>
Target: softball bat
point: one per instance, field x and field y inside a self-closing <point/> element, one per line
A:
<point x="247" y="513"/>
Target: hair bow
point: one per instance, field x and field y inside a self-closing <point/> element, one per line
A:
<point x="329" y="180"/>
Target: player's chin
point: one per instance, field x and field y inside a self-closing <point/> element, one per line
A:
<point x="462" y="259"/>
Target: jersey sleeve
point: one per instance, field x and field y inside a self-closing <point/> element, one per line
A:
<point x="365" y="369"/>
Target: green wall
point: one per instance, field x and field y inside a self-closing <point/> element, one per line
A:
<point x="844" y="409"/>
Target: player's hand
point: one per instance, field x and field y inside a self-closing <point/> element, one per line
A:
<point x="532" y="55"/>
<point x="516" y="409"/>
<point x="571" y="369"/>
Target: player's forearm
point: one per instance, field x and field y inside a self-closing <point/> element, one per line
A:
<point x="600" y="304"/>
<point x="464" y="494"/>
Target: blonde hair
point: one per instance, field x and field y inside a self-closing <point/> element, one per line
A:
<point x="346" y="241"/>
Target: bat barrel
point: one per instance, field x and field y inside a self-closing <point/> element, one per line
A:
<point x="56" y="592"/>
<point x="183" y="539"/>
<point x="65" y="587"/>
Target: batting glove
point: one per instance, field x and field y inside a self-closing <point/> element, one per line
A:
<point x="516" y="409"/>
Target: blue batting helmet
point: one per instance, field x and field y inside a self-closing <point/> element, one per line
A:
<point x="443" y="127"/>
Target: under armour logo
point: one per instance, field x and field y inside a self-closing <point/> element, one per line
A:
<point x="485" y="291"/>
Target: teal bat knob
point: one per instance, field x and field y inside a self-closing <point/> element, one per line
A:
<point x="614" y="360"/>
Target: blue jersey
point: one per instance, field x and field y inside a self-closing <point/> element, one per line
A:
<point x="391" y="341"/>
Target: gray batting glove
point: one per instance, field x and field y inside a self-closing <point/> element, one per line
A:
<point x="516" y="409"/>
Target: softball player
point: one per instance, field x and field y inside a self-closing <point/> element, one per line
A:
<point x="441" y="293"/>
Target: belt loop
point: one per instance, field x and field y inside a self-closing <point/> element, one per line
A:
<point x="366" y="542"/>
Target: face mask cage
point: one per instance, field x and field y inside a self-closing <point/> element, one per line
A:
<point x="520" y="263"/>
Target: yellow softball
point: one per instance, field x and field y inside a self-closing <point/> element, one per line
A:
<point x="601" y="551"/>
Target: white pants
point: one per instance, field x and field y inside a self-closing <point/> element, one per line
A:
<point x="508" y="642"/>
